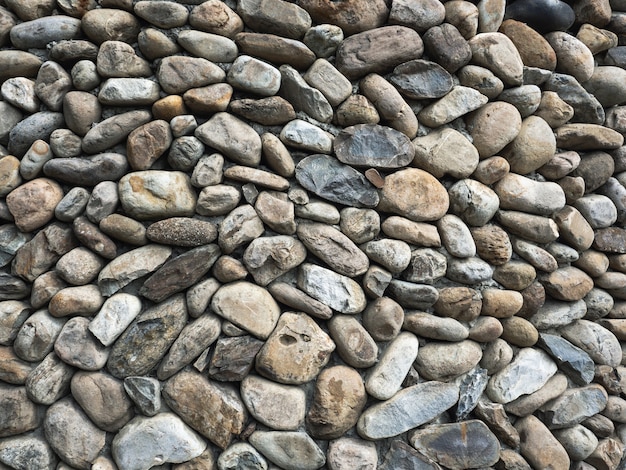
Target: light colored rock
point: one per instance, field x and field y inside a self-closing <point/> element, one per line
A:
<point x="445" y="151"/>
<point x="303" y="454"/>
<point x="296" y="350"/>
<point x="278" y="406"/>
<point x="399" y="413"/>
<point x="385" y="378"/>
<point x="146" y="442"/>
<point x="261" y="310"/>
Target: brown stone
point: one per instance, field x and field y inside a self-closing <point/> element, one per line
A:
<point x="539" y="446"/>
<point x="33" y="203"/>
<point x="568" y="284"/>
<point x="460" y="303"/>
<point x="296" y="350"/>
<point x="492" y="244"/>
<point x="214" y="410"/>
<point x="587" y="137"/>
<point x="414" y="194"/>
<point x="147" y="143"/>
<point x="516" y="275"/>
<point x="519" y="332"/>
<point x="17" y="413"/>
<point x="13" y="370"/>
<point x="533" y="48"/>
<point x="169" y="107"/>
<point x="610" y="240"/>
<point x="337" y="403"/>
<point x="271" y="111"/>
<point x="233" y="358"/>
<point x="352" y="16"/>
<point x="378" y="51"/>
<point x="276" y="49"/>
<point x="501" y="303"/>
<point x="209" y="99"/>
<point x="214" y="16"/>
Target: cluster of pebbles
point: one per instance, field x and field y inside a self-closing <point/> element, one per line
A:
<point x="358" y="234"/>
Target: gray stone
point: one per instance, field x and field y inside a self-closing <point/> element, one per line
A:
<point x="36" y="336"/>
<point x="323" y="39"/>
<point x="72" y="435"/>
<point x="420" y="79"/>
<point x="180" y="272"/>
<point x="37" y="33"/>
<point x="113" y="130"/>
<point x="338" y="292"/>
<point x="240" y="226"/>
<point x="155" y="329"/>
<point x="145" y="393"/>
<point x="276" y="17"/>
<point x="77" y="347"/>
<point x="117" y="312"/>
<point x="302" y="96"/>
<point x="402" y="455"/>
<point x="218" y="199"/>
<point x="454" y="445"/>
<point x="601" y="345"/>
<point x="213" y="47"/>
<point x="278" y="406"/>
<point x="146" y="442"/>
<point x="554" y="314"/>
<point x="348" y="452"/>
<point x="306" y="136"/>
<point x="50" y="380"/>
<point x="254" y="76"/>
<point x="240" y="455"/>
<point x="118" y="59"/>
<point x="233" y="358"/>
<point x="128" y="92"/>
<point x="578" y="441"/>
<point x="354" y="344"/>
<point x="399" y="413"/>
<point x="232" y="137"/>
<point x="445" y="152"/>
<point x="458" y="102"/>
<point x="586" y="106"/>
<point x="519" y="193"/>
<point x="89" y="170"/>
<point x="473" y="202"/>
<point x="268" y="258"/>
<point x="529" y="371"/>
<point x="37" y="126"/>
<point x="574" y="406"/>
<point x="472" y="270"/>
<point x="599" y="210"/>
<point x="20" y="452"/>
<point x="304" y="454"/>
<point x="371" y="145"/>
<point x="336" y="182"/>
<point x="572" y="360"/>
<point x="385" y="379"/>
<point x="199" y="72"/>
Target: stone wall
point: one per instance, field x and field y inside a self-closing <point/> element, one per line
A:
<point x="312" y="234"/>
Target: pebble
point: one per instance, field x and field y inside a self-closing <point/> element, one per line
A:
<point x="304" y="453"/>
<point x="356" y="57"/>
<point x="573" y="57"/>
<point x="240" y="454"/>
<point x="109" y="24"/>
<point x="496" y="52"/>
<point x="50" y="380"/>
<point x="262" y="312"/>
<point x="276" y="49"/>
<point x="604" y="349"/>
<point x="21" y="451"/>
<point x="539" y="446"/>
<point x="397" y="415"/>
<point x="481" y="79"/>
<point x="458" y="102"/>
<point x="443" y="361"/>
<point x="420" y="79"/>
<point x="149" y="441"/>
<point x="338" y="400"/>
<point x="586" y="106"/>
<point x="175" y="197"/>
<point x="457" y="452"/>
<point x="116" y="313"/>
<point x="533" y="146"/>
<point x="336" y="182"/>
<point x="460" y="303"/>
<point x="281" y="407"/>
<point x="233" y="358"/>
<point x="124" y="228"/>
<point x="574" y="406"/>
<point x="354" y="344"/>
<point x="232" y="137"/>
<point x="253" y="75"/>
<point x="434" y="152"/>
<point x="578" y="441"/>
<point x="215" y="17"/>
<point x="72" y="435"/>
<point x="474" y="202"/>
<point x="303" y="135"/>
<point x="348" y="452"/>
<point x="35" y="127"/>
<point x="533" y="48"/>
<point x="535" y="366"/>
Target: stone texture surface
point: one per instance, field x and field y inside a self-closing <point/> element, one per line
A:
<point x="312" y="234"/>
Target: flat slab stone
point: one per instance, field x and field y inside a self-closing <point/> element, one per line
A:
<point x="332" y="180"/>
<point x="469" y="444"/>
<point x="338" y="292"/>
<point x="372" y="145"/>
<point x="290" y="449"/>
<point x="400" y="413"/>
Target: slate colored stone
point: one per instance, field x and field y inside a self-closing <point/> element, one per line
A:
<point x="572" y="360"/>
<point x="330" y="179"/>
<point x="371" y="145"/>
<point x="88" y="170"/>
<point x="421" y="79"/>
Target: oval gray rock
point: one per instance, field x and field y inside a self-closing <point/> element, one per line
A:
<point x="89" y="170"/>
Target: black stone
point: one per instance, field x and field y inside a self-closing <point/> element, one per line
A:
<point x="371" y="145"/>
<point x="542" y="15"/>
<point x="87" y="171"/>
<point x="332" y="180"/>
<point x="420" y="79"/>
<point x="572" y="360"/>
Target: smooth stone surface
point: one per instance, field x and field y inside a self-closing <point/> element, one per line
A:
<point x="273" y="444"/>
<point x="529" y="371"/>
<point x="397" y="415"/>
